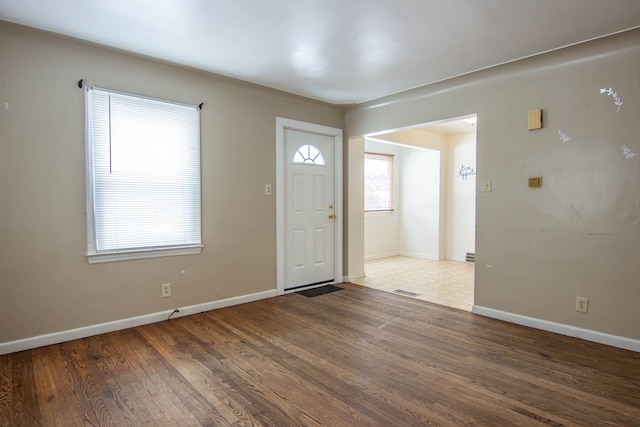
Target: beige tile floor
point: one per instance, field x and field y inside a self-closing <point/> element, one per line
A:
<point x="447" y="283"/>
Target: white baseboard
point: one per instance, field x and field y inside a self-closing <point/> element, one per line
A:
<point x="354" y="277"/>
<point x="423" y="256"/>
<point x="379" y="256"/>
<point x="87" y="331"/>
<point x="559" y="328"/>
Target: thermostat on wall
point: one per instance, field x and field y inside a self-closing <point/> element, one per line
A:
<point x="534" y="119"/>
<point x="535" y="182"/>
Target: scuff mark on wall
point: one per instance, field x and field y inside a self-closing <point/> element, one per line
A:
<point x="594" y="234"/>
<point x="637" y="212"/>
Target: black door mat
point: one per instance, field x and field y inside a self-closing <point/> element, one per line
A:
<point x="320" y="290"/>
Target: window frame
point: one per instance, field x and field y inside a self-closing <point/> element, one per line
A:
<point x="319" y="156"/>
<point x="99" y="256"/>
<point x="390" y="159"/>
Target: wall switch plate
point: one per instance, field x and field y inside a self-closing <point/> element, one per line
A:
<point x="582" y="304"/>
<point x="534" y="119"/>
<point x="486" y="185"/>
<point x="267" y="189"/>
<point x="166" y="290"/>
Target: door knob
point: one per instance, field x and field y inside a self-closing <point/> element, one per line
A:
<point x="331" y="216"/>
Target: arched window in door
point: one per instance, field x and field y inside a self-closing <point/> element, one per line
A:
<point x="309" y="154"/>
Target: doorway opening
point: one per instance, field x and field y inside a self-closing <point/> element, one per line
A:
<point x="425" y="246"/>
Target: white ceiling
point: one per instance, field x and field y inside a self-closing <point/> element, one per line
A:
<point x="339" y="51"/>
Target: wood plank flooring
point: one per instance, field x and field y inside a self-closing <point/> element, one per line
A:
<point x="348" y="358"/>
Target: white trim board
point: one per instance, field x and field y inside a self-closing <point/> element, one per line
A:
<point x="422" y="256"/>
<point x="380" y="256"/>
<point x="456" y="259"/>
<point x="346" y="279"/>
<point x="559" y="328"/>
<point x="87" y="331"/>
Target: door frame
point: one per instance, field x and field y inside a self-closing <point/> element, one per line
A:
<point x="281" y="125"/>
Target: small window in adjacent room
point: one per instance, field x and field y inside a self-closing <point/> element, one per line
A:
<point x="143" y="177"/>
<point x="378" y="182"/>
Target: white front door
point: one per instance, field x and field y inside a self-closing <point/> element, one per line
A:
<point x="309" y="210"/>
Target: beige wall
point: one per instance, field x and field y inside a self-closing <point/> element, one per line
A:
<point x="537" y="250"/>
<point x="354" y="208"/>
<point x="46" y="284"/>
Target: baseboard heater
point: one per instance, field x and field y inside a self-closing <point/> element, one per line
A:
<point x="471" y="257"/>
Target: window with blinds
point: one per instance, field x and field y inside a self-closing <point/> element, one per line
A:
<point x="143" y="177"/>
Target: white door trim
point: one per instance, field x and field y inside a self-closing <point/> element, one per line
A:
<point x="336" y="134"/>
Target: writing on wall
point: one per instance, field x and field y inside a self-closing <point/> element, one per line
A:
<point x="465" y="172"/>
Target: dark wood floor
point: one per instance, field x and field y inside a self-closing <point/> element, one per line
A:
<point x="352" y="357"/>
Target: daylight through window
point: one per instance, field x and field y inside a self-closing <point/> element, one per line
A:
<point x="309" y="154"/>
<point x="378" y="182"/>
<point x="143" y="177"/>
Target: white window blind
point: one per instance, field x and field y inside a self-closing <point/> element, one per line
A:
<point x="378" y="182"/>
<point x="143" y="175"/>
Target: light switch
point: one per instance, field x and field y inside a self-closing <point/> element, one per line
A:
<point x="534" y="119"/>
<point x="486" y="185"/>
<point x="267" y="189"/>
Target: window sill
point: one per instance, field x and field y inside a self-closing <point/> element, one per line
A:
<point x="130" y="255"/>
<point x="374" y="214"/>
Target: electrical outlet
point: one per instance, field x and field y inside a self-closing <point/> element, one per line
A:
<point x="267" y="189"/>
<point x="486" y="185"/>
<point x="582" y="304"/>
<point x="166" y="290"/>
